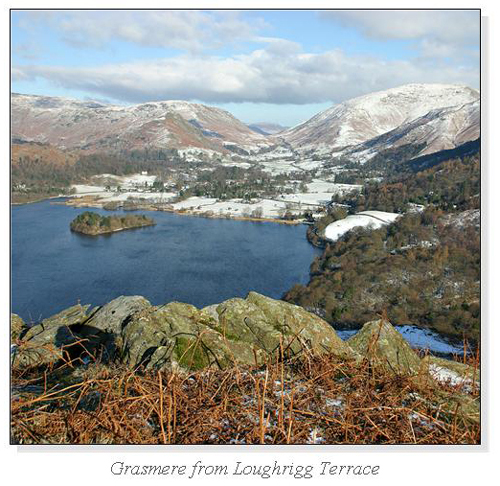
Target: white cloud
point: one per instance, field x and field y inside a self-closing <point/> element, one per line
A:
<point x="193" y="30"/>
<point x="435" y="34"/>
<point x="281" y="73"/>
<point x="450" y="26"/>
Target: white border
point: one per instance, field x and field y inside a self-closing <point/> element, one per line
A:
<point x="458" y="465"/>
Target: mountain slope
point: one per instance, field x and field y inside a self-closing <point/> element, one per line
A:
<point x="440" y="129"/>
<point x="358" y="120"/>
<point x="68" y="123"/>
<point x="267" y="128"/>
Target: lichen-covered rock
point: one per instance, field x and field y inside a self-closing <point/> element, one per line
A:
<point x="179" y="334"/>
<point x="47" y="330"/>
<point x="17" y="327"/>
<point x="247" y="331"/>
<point x="32" y="353"/>
<point x="300" y="326"/>
<point x="242" y="321"/>
<point x="111" y="317"/>
<point x="46" y="343"/>
<point x="237" y="331"/>
<point x="378" y="341"/>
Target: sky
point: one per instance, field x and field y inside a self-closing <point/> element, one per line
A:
<point x="274" y="66"/>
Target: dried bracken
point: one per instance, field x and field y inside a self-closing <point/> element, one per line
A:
<point x="306" y="400"/>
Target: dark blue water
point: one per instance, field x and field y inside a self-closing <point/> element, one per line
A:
<point x="189" y="259"/>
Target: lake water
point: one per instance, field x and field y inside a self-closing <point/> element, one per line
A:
<point x="189" y="259"/>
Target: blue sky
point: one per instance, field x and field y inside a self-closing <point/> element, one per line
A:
<point x="274" y="66"/>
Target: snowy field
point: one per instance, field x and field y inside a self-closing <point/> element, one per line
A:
<point x="319" y="193"/>
<point x="108" y="196"/>
<point x="128" y="181"/>
<point x="271" y="209"/>
<point x="366" y="219"/>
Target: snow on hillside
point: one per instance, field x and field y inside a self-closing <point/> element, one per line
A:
<point x="69" y="123"/>
<point x="366" y="219"/>
<point x="471" y="217"/>
<point x="360" y="119"/>
<point x="440" y="129"/>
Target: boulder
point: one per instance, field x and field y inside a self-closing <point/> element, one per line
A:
<point x="298" y="325"/>
<point x="48" y="329"/>
<point x="45" y="343"/>
<point x="111" y="317"/>
<point x="238" y="331"/>
<point x="452" y="372"/>
<point x="242" y="321"/>
<point x="379" y="342"/>
<point x="17" y="327"/>
<point x="179" y="334"/>
<point x="31" y="354"/>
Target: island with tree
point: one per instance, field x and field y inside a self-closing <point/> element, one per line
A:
<point x="90" y="223"/>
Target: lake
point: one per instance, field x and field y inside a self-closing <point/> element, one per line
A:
<point x="189" y="259"/>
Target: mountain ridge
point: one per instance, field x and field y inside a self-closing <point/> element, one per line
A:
<point x="437" y="116"/>
<point x="360" y="119"/>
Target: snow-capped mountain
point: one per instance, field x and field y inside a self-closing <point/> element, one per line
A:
<point x="73" y="124"/>
<point x="437" y="116"/>
<point x="440" y="129"/>
<point x="358" y="120"/>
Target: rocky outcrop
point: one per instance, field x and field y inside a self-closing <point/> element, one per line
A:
<point x="112" y="317"/>
<point x="130" y="331"/>
<point x="238" y="331"/>
<point x="379" y="341"/>
<point x="45" y="343"/>
<point x="75" y="331"/>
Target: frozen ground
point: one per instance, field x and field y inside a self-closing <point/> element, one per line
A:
<point x="319" y="193"/>
<point x="271" y="209"/>
<point x="366" y="219"/>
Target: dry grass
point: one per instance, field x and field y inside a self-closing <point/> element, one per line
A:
<point x="308" y="400"/>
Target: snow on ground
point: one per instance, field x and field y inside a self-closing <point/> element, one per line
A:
<point x="464" y="218"/>
<point x="417" y="338"/>
<point x="138" y="179"/>
<point x="107" y="196"/>
<point x="278" y="166"/>
<point x="446" y="375"/>
<point x="319" y="194"/>
<point x="233" y="207"/>
<point x="149" y="196"/>
<point x="126" y="181"/>
<point x="86" y="190"/>
<point x="195" y="154"/>
<point x="194" y="202"/>
<point x="366" y="219"/>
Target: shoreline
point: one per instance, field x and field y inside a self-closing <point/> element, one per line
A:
<point x="149" y="207"/>
<point x="113" y="231"/>
<point x="38" y="200"/>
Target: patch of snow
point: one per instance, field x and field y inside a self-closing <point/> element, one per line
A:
<point x="315" y="437"/>
<point x="445" y="375"/>
<point x="83" y="189"/>
<point x="366" y="219"/>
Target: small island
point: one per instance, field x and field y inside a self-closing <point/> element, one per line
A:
<point x="90" y="223"/>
